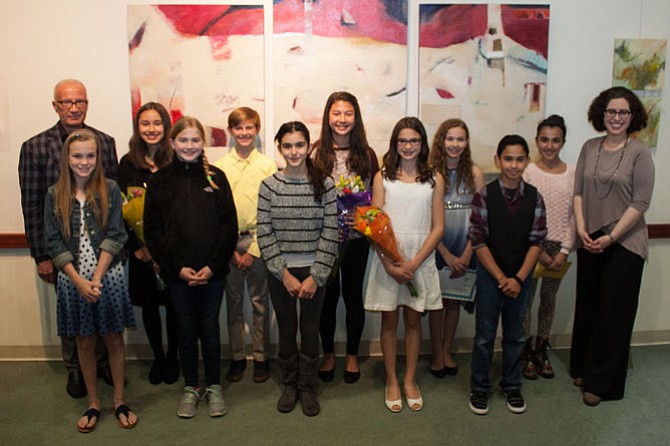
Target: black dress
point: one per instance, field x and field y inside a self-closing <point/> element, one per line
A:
<point x="142" y="280"/>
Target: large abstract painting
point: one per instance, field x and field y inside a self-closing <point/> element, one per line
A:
<point x="639" y="65"/>
<point x="330" y="45"/>
<point x="485" y="64"/>
<point x="200" y="60"/>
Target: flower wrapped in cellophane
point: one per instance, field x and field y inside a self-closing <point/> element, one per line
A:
<point x="133" y="211"/>
<point x="133" y="215"/>
<point x="351" y="192"/>
<point x="375" y="224"/>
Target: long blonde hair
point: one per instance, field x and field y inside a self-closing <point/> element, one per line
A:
<point x="95" y="189"/>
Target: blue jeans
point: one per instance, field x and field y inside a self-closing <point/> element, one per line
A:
<point x="196" y="310"/>
<point x="491" y="306"/>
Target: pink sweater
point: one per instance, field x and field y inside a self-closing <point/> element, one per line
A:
<point x="556" y="189"/>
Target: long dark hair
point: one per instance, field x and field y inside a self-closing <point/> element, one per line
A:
<point x="438" y="156"/>
<point x="391" y="160"/>
<point x="138" y="149"/>
<point x="358" y="159"/>
<point x="596" y="114"/>
<point x="316" y="176"/>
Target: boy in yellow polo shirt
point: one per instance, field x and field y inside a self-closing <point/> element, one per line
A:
<point x="245" y="167"/>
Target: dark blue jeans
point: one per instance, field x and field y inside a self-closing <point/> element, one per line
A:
<point x="491" y="306"/>
<point x="197" y="312"/>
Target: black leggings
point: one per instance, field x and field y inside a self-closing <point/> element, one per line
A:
<point x="286" y="311"/>
<point x="151" y="317"/>
<point x="352" y="271"/>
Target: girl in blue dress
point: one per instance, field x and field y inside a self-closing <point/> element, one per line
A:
<point x="451" y="156"/>
<point x="85" y="235"/>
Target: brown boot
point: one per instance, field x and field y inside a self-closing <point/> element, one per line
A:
<point x="542" y="363"/>
<point x="529" y="370"/>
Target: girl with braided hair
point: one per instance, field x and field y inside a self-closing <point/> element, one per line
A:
<point x="190" y="226"/>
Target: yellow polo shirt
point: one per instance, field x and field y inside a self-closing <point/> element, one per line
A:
<point x="245" y="176"/>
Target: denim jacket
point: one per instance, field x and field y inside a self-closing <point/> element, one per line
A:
<point x="63" y="251"/>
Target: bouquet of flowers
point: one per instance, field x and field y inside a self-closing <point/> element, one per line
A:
<point x="351" y="192"/>
<point x="375" y="224"/>
<point x="133" y="211"/>
<point x="133" y="215"/>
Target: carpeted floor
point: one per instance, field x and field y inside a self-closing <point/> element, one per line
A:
<point x="35" y="410"/>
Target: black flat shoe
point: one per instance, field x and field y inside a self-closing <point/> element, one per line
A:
<point x="75" y="386"/>
<point x="157" y="372"/>
<point x="439" y="374"/>
<point x="351" y="377"/>
<point x="327" y="375"/>
<point x="451" y="371"/>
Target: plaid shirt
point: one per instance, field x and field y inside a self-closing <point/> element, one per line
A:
<point x="39" y="168"/>
<point x="479" y="218"/>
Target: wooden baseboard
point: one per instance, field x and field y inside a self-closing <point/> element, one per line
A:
<point x="18" y="240"/>
<point x="367" y="348"/>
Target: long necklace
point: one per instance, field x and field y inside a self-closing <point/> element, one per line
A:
<point x="609" y="180"/>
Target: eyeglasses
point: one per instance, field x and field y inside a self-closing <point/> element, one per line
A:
<point x="298" y="145"/>
<point x="67" y="104"/>
<point x="623" y="114"/>
<point x="402" y="142"/>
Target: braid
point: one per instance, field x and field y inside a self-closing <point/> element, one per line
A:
<point x="208" y="173"/>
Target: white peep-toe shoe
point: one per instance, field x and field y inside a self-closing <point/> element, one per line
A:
<point x="394" y="406"/>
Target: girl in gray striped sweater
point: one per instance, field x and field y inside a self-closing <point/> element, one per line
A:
<point x="297" y="235"/>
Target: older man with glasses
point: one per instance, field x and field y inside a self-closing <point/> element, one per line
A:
<point x="39" y="165"/>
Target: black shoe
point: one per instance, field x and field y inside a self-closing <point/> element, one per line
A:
<point x="515" y="401"/>
<point x="479" y="402"/>
<point x="157" y="371"/>
<point x="171" y="371"/>
<point x="351" y="377"/>
<point x="75" y="386"/>
<point x="451" y="371"/>
<point x="261" y="371"/>
<point x="327" y="375"/>
<point x="439" y="374"/>
<point x="106" y="374"/>
<point x="236" y="370"/>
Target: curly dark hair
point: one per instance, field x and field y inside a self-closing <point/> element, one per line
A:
<point x="596" y="113"/>
<point x="438" y="157"/>
<point x="391" y="160"/>
<point x="138" y="148"/>
<point x="358" y="159"/>
<point x="314" y="173"/>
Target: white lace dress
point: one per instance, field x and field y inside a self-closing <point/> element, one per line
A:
<point x="409" y="205"/>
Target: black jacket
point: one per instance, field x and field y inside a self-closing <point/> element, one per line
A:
<point x="188" y="223"/>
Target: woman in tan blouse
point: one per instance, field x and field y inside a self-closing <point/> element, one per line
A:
<point x="614" y="180"/>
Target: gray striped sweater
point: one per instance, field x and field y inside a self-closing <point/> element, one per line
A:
<point x="291" y="221"/>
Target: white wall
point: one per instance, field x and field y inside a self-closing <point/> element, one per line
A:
<point x="43" y="41"/>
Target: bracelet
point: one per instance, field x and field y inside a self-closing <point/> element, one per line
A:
<point x="612" y="239"/>
<point x="518" y="280"/>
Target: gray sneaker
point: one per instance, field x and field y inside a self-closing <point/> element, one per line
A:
<point x="189" y="402"/>
<point x="217" y="406"/>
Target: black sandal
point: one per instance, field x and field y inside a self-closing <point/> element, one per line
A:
<point x="89" y="414"/>
<point x="125" y="411"/>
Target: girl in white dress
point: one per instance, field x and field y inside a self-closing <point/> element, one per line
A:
<point x="412" y="195"/>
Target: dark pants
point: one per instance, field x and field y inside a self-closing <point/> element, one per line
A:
<point x="493" y="305"/>
<point x="286" y="310"/>
<point x="197" y="312"/>
<point x="608" y="288"/>
<point x="352" y="272"/>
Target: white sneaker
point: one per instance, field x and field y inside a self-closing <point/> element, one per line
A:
<point x="217" y="406"/>
<point x="189" y="402"/>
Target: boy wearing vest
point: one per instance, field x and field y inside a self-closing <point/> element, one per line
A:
<point x="507" y="226"/>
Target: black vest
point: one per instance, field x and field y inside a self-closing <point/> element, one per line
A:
<point x="508" y="234"/>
